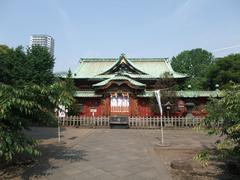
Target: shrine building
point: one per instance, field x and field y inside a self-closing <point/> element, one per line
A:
<point x="124" y="86"/>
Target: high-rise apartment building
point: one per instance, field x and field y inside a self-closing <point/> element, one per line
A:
<point x="43" y="40"/>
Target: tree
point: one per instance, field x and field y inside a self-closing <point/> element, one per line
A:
<point x="167" y="86"/>
<point x="40" y="63"/>
<point x="74" y="109"/>
<point x="194" y="63"/>
<point x="224" y="119"/>
<point x="34" y="66"/>
<point x="26" y="97"/>
<point x="224" y="71"/>
<point x="224" y="115"/>
<point x="12" y="64"/>
<point x="70" y="82"/>
<point x="19" y="106"/>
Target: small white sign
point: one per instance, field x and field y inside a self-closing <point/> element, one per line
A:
<point x="93" y="110"/>
<point x="61" y="111"/>
<point x="62" y="114"/>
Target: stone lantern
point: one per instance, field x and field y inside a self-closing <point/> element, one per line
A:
<point x="168" y="107"/>
<point x="189" y="106"/>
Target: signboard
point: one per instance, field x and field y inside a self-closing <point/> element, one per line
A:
<point x="119" y="102"/>
<point x="61" y="114"/>
<point x="93" y="110"/>
<point x="61" y="111"/>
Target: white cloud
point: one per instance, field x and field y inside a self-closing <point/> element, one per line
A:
<point x="226" y="48"/>
<point x="184" y="7"/>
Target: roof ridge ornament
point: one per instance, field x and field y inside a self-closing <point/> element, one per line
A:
<point x="123" y="61"/>
<point x="123" y="55"/>
<point x="122" y="58"/>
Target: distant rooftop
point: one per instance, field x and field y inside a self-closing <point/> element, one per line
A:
<point x="44" y="35"/>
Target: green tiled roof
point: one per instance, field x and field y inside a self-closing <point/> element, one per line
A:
<point x="86" y="94"/>
<point x="146" y="94"/>
<point x="192" y="94"/>
<point x="188" y="94"/>
<point x="135" y="76"/>
<point x="119" y="78"/>
<point x="153" y="67"/>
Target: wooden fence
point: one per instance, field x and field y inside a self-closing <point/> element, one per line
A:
<point x="133" y="122"/>
<point x="84" y="121"/>
<point x="155" y="122"/>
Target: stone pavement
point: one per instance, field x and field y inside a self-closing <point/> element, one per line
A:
<point x="114" y="154"/>
<point x="108" y="154"/>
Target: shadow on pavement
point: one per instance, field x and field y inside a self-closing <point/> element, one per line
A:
<point x="41" y="133"/>
<point x="53" y="156"/>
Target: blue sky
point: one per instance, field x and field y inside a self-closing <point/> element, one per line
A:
<point x="107" y="28"/>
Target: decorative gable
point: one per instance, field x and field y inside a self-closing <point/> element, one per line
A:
<point x="123" y="65"/>
<point x="119" y="80"/>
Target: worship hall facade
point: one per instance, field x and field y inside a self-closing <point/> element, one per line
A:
<point x="125" y="86"/>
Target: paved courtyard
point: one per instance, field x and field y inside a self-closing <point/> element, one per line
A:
<point x="109" y="153"/>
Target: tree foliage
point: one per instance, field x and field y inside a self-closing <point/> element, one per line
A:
<point x="224" y="115"/>
<point x="28" y="94"/>
<point x="39" y="59"/>
<point x="167" y="86"/>
<point x="74" y="109"/>
<point x="224" y="71"/>
<point x="194" y="63"/>
<point x="70" y="82"/>
<point x="224" y="119"/>
<point x="34" y="66"/>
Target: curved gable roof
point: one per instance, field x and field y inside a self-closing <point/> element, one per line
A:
<point x="152" y="67"/>
<point x="123" y="61"/>
<point x="119" y="78"/>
